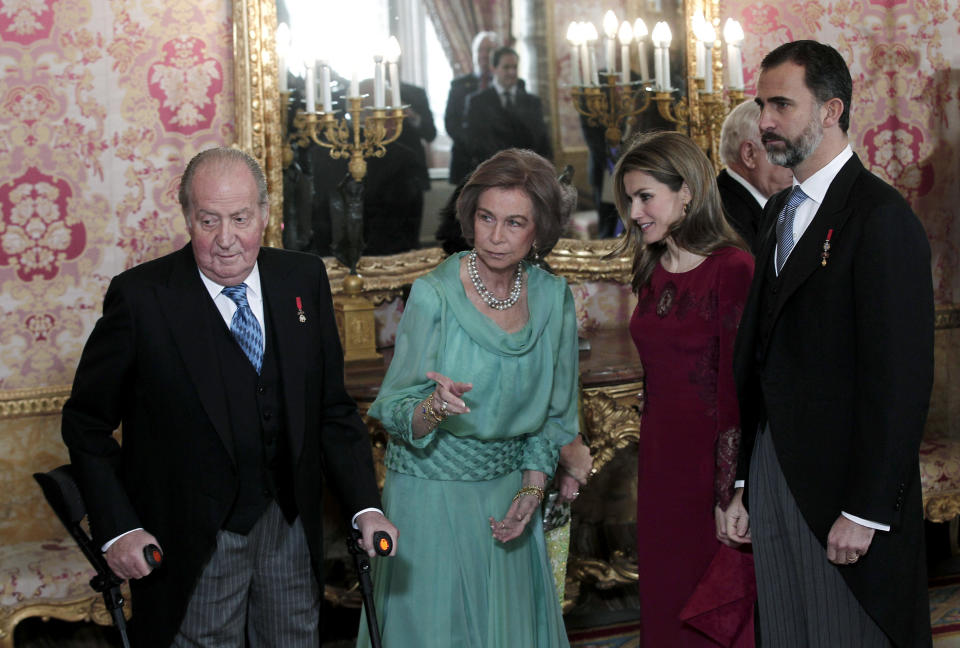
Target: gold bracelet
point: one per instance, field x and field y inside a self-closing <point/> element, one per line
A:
<point x="529" y="490"/>
<point x="426" y="408"/>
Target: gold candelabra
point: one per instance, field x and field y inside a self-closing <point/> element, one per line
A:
<point x="700" y="115"/>
<point x="370" y="135"/>
<point x="365" y="134"/>
<point x="615" y="106"/>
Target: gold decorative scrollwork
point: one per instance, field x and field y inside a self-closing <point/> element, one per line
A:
<point x="33" y="402"/>
<point x="947" y="316"/>
<point x="612" y="416"/>
<point x="257" y="99"/>
<point x="91" y="608"/>
<point x="621" y="570"/>
<point x="942" y="507"/>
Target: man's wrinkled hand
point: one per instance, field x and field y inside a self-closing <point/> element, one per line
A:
<point x="125" y="555"/>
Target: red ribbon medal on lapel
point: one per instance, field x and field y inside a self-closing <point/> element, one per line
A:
<point x="303" y="317"/>
<point x="823" y="257"/>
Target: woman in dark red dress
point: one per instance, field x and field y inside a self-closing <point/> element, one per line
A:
<point x="691" y="274"/>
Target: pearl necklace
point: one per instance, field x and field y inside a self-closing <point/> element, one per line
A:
<point x="488" y="298"/>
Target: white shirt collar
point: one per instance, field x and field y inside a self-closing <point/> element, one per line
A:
<point x="816" y="185"/>
<point x="252" y="281"/>
<point x="759" y="197"/>
<point x="500" y="89"/>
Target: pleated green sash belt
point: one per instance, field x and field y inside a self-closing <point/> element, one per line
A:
<point x="456" y="458"/>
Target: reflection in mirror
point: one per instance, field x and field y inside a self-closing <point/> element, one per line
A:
<point x="404" y="190"/>
<point x="540" y="29"/>
<point x="611" y="61"/>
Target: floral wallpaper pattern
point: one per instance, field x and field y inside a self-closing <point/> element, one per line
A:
<point x="101" y="104"/>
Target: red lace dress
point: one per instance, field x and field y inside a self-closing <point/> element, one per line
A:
<point x="684" y="327"/>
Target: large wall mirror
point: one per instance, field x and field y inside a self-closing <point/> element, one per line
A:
<point x="540" y="28"/>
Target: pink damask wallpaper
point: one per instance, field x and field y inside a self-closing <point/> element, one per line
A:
<point x="101" y="104"/>
<point x="905" y="119"/>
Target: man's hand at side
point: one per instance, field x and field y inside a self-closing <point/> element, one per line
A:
<point x="125" y="555"/>
<point x="371" y="522"/>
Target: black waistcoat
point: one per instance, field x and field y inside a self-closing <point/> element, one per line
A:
<point x="257" y="424"/>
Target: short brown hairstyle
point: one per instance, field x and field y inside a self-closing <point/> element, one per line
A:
<point x="519" y="169"/>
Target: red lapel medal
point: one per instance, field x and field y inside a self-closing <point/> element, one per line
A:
<point x="303" y="317"/>
<point x="823" y="257"/>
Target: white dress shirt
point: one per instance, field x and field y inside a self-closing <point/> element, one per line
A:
<point x="501" y="91"/>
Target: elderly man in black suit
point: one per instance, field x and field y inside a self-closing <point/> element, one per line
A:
<point x="749" y="178"/>
<point x="505" y="115"/>
<point x="223" y="365"/>
<point x="460" y="88"/>
<point x="834" y="366"/>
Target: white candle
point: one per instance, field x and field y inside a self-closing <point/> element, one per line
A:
<point x="354" y="84"/>
<point x="657" y="67"/>
<point x="394" y="86"/>
<point x="624" y="64"/>
<point x="697" y="24"/>
<point x="644" y="67"/>
<point x="610" y="31"/>
<point x="709" y="38"/>
<point x="640" y="32"/>
<point x="392" y="52"/>
<point x="733" y="35"/>
<point x="378" y="82"/>
<point x="310" y="87"/>
<point x="735" y="61"/>
<point x="661" y="55"/>
<point x="591" y="36"/>
<point x="325" y="87"/>
<point x="666" y="38"/>
<point x="585" y="63"/>
<point x="594" y="72"/>
<point x="665" y="53"/>
<point x="626" y="35"/>
<point x="573" y="38"/>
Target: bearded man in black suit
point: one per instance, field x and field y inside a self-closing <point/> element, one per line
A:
<point x="223" y="365"/>
<point x="834" y="367"/>
<point x="749" y="178"/>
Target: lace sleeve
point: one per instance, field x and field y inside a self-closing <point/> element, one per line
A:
<point x="728" y="445"/>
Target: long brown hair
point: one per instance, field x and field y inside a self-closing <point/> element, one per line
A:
<point x="673" y="159"/>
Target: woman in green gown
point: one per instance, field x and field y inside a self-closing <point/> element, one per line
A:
<point x="479" y="398"/>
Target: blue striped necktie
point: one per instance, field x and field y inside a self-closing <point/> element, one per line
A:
<point x="245" y="327"/>
<point x="785" y="225"/>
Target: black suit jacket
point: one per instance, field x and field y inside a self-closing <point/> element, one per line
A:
<point x="453" y="120"/>
<point x="417" y="130"/>
<point x="150" y="365"/>
<point x="492" y="128"/>
<point x="742" y="210"/>
<point x="841" y="364"/>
